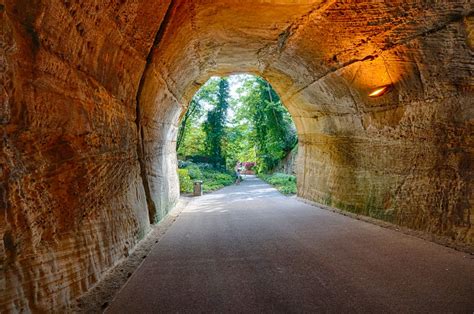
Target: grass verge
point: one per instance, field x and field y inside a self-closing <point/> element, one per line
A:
<point x="284" y="183"/>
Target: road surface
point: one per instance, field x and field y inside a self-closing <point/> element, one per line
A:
<point x="249" y="249"/>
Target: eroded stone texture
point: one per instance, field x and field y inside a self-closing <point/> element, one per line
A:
<point x="72" y="197"/>
<point x="92" y="93"/>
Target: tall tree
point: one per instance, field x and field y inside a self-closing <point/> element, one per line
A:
<point x="274" y="133"/>
<point x="214" y="127"/>
<point x="261" y="128"/>
<point x="191" y="121"/>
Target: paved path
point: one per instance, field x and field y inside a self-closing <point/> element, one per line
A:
<point x="248" y="249"/>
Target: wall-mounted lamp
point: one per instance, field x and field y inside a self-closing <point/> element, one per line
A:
<point x="382" y="90"/>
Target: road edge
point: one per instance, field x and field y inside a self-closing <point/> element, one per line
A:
<point x="438" y="239"/>
<point x="102" y="294"/>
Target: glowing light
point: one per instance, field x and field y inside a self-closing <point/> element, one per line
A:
<point x="381" y="91"/>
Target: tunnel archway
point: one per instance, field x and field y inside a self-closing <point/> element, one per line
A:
<point x="340" y="126"/>
<point x="92" y="94"/>
<point x="165" y="195"/>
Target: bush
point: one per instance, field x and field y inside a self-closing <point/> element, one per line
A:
<point x="185" y="182"/>
<point x="212" y="186"/>
<point x="284" y="183"/>
<point x="194" y="172"/>
<point x="183" y="164"/>
<point x="212" y="179"/>
<point x="287" y="189"/>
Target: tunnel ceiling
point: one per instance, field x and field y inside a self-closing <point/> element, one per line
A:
<point x="92" y="93"/>
<point x="301" y="42"/>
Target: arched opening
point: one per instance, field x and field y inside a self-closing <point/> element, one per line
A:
<point x="233" y="124"/>
<point x="164" y="194"/>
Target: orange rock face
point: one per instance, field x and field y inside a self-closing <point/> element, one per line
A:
<point x="91" y="95"/>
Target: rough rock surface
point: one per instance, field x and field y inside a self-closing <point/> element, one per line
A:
<point x="288" y="164"/>
<point x="91" y="94"/>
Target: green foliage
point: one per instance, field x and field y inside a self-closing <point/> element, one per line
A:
<point x="273" y="132"/>
<point x="214" y="127"/>
<point x="284" y="183"/>
<point x="194" y="172"/>
<point x="239" y="145"/>
<point x="212" y="179"/>
<point x="185" y="182"/>
<point x="193" y="109"/>
<point x="191" y="137"/>
<point x="261" y="129"/>
<point x="193" y="143"/>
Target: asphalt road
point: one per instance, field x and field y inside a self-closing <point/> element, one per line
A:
<point x="248" y="249"/>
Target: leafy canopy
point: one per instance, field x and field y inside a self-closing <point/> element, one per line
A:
<point x="248" y="123"/>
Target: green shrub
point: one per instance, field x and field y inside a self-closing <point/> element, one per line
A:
<point x="212" y="179"/>
<point x="285" y="183"/>
<point x="287" y="189"/>
<point x="194" y="172"/>
<point x="212" y="186"/>
<point x="185" y="182"/>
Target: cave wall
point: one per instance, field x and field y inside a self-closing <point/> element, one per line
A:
<point x="91" y="97"/>
<point x="405" y="157"/>
<point x="72" y="200"/>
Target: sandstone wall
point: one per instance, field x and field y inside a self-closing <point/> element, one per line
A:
<point x="72" y="200"/>
<point x="405" y="157"/>
<point x="288" y="164"/>
<point x="92" y="93"/>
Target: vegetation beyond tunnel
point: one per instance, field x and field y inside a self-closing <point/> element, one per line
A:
<point x="92" y="93"/>
<point x="234" y="124"/>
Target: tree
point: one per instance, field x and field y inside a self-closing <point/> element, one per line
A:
<point x="239" y="144"/>
<point x="193" y="143"/>
<point x="274" y="133"/>
<point x="191" y="124"/>
<point x="260" y="129"/>
<point x="214" y="127"/>
<point x="193" y="108"/>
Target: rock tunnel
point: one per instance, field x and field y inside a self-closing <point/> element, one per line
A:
<point x="92" y="93"/>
